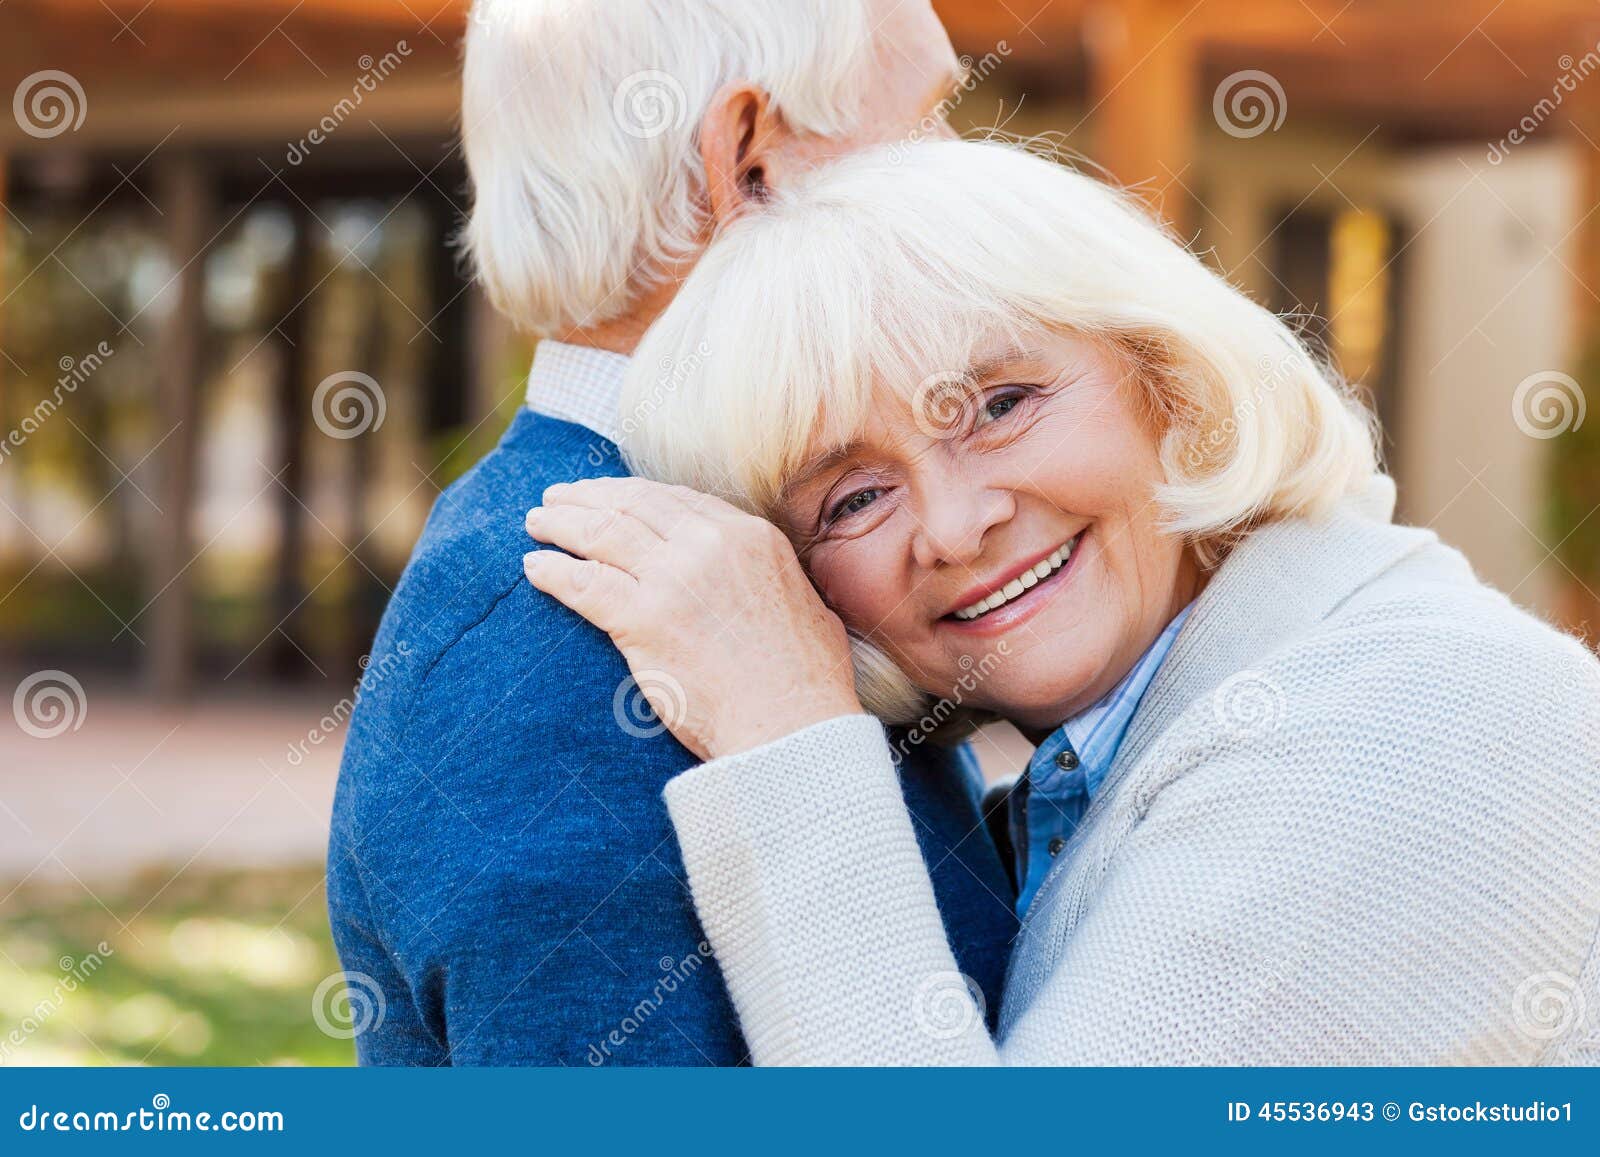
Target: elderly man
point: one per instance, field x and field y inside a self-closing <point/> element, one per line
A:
<point x="503" y="880"/>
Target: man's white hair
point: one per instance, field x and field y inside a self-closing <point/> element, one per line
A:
<point x="580" y="126"/>
<point x="897" y="270"/>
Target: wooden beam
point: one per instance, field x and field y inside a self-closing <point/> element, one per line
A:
<point x="1143" y="72"/>
<point x="5" y="230"/>
<point x="292" y="336"/>
<point x="1430" y="28"/>
<point x="439" y="13"/>
<point x="6" y="390"/>
<point x="185" y="195"/>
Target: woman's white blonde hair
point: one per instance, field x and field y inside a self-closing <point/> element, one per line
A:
<point x="580" y="122"/>
<point x="892" y="269"/>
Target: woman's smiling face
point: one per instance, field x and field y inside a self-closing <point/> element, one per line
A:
<point x="1020" y="537"/>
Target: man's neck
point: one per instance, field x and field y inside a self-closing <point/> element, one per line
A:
<point x="622" y="335"/>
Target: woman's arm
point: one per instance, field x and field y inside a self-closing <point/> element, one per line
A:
<point x="800" y="851"/>
<point x="1297" y="896"/>
<point x="809" y="883"/>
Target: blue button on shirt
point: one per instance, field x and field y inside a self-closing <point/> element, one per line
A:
<point x="1069" y="766"/>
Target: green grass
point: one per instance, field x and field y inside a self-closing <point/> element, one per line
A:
<point x="210" y="968"/>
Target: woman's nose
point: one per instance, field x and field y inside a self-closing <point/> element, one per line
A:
<point x="952" y="523"/>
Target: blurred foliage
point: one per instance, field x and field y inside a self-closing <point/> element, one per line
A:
<point x="1575" y="489"/>
<point x="84" y="482"/>
<point x="211" y="968"/>
<point x="50" y="608"/>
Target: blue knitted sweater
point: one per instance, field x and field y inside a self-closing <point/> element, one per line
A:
<point x="503" y="881"/>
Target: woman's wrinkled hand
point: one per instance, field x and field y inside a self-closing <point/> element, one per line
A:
<point x="726" y="638"/>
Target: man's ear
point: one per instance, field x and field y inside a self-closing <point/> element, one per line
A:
<point x="741" y="139"/>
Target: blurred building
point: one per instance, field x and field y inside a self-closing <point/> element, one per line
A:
<point x="241" y="358"/>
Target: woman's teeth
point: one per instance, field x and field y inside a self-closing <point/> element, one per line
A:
<point x="1030" y="578"/>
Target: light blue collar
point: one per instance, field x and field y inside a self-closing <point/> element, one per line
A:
<point x="1070" y="765"/>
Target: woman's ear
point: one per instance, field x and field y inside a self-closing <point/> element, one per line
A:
<point x="741" y="139"/>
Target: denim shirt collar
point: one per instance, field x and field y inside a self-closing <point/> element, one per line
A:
<point x="1070" y="766"/>
<point x="1095" y="733"/>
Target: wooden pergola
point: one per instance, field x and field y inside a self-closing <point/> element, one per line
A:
<point x="1426" y="70"/>
<point x="190" y="100"/>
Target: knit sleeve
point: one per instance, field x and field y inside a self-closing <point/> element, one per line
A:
<point x="807" y="876"/>
<point x="1337" y="875"/>
<point x="1375" y="849"/>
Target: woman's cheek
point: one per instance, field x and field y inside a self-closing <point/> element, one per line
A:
<point x="1091" y="476"/>
<point x="844" y="583"/>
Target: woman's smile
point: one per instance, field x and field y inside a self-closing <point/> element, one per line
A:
<point x="1014" y="599"/>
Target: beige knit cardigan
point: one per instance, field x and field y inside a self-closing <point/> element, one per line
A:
<point x="1356" y="820"/>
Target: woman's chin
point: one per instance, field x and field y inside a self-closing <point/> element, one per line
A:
<point x="1031" y="677"/>
<point x="1034" y="699"/>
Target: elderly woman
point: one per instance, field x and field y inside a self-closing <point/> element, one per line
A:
<point x="1306" y="792"/>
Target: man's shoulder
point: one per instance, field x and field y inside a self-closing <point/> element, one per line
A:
<point x="479" y="686"/>
<point x="470" y="553"/>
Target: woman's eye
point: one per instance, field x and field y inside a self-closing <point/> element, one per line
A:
<point x="998" y="407"/>
<point x="856" y="503"/>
